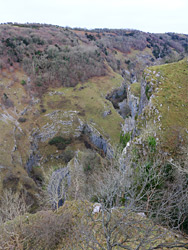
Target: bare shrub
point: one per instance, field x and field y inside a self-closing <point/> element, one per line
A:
<point x="47" y="231"/>
<point x="135" y="200"/>
<point x="12" y="205"/>
<point x="10" y="237"/>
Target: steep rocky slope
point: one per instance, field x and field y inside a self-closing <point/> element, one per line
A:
<point x="163" y="107"/>
<point x="80" y="116"/>
<point x="64" y="90"/>
<point x="96" y="115"/>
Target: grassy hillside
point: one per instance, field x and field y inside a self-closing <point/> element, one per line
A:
<point x="166" y="113"/>
<point x="28" y="123"/>
<point x="89" y="101"/>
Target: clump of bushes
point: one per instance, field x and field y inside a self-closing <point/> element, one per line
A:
<point x="67" y="155"/>
<point x="90" y="161"/>
<point x="48" y="230"/>
<point x="60" y="142"/>
<point x="23" y="82"/>
<point x="44" y="230"/>
<point x="22" y="119"/>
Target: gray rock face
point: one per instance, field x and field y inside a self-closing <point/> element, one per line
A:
<point x="117" y="96"/>
<point x="133" y="103"/>
<point x="129" y="125"/>
<point x="133" y="77"/>
<point x="107" y="112"/>
<point x="91" y="133"/>
<point x="96" y="138"/>
<point x="58" y="185"/>
<point x="124" y="109"/>
<point x="119" y="93"/>
<point x="34" y="156"/>
<point x="32" y="161"/>
<point x="143" y="97"/>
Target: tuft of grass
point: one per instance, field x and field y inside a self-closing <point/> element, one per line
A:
<point x="147" y="91"/>
<point x="124" y="139"/>
<point x="152" y="143"/>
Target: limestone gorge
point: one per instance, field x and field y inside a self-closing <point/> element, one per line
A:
<point x="93" y="118"/>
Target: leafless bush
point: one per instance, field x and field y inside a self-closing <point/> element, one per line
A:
<point x="125" y="195"/>
<point x="47" y="231"/>
<point x="10" y="237"/>
<point x="12" y="205"/>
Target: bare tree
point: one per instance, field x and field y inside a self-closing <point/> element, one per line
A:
<point x="77" y="189"/>
<point x="12" y="205"/>
<point x="140" y="206"/>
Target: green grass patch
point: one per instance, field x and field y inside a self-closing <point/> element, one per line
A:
<point x="89" y="100"/>
<point x="136" y="89"/>
<point x="152" y="143"/>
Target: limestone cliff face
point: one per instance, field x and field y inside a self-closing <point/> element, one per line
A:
<point x="143" y="97"/>
<point x="126" y="102"/>
<point x="97" y="139"/>
<point x="132" y="101"/>
<point x="29" y="122"/>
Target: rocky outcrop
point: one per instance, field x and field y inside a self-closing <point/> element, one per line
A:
<point x="80" y="131"/>
<point x="34" y="156"/>
<point x="117" y="96"/>
<point x="58" y="185"/>
<point x="129" y="124"/>
<point x="143" y="97"/>
<point x="58" y="122"/>
<point x="124" y="109"/>
<point x="97" y="139"/>
<point x="127" y="103"/>
<point x="133" y="104"/>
